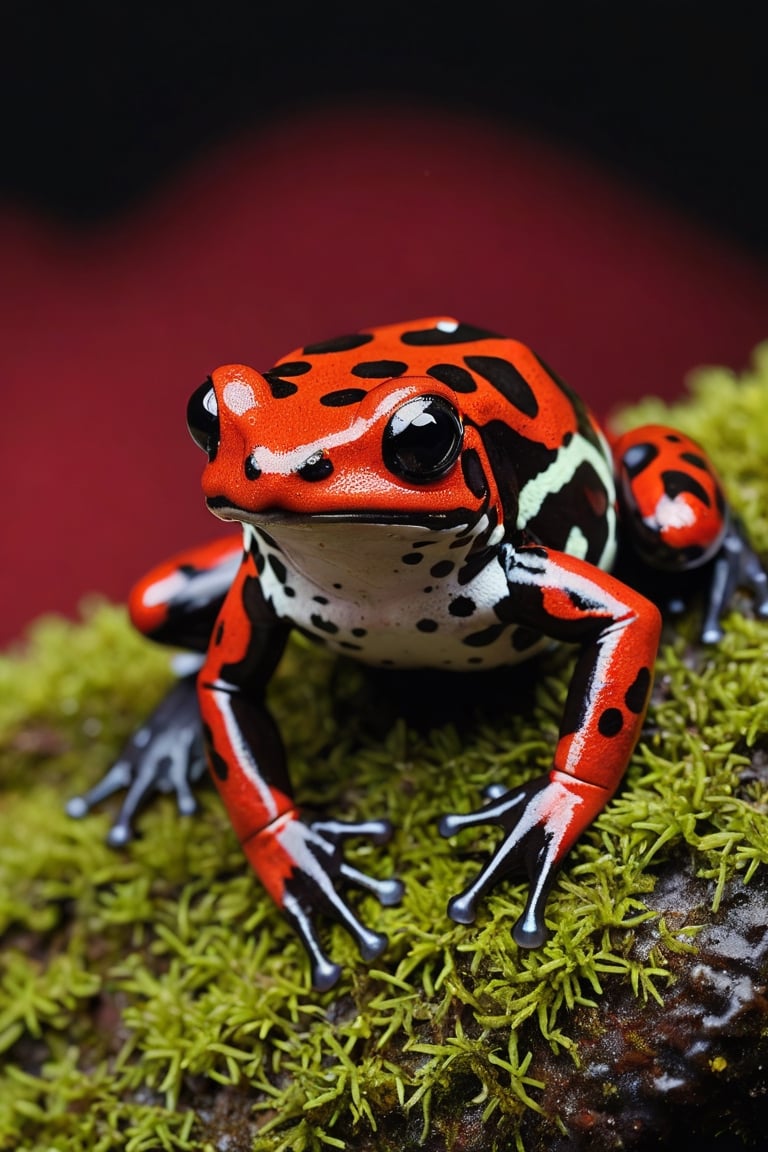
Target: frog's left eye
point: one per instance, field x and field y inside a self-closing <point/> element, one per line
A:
<point x="422" y="439"/>
<point x="203" y="418"/>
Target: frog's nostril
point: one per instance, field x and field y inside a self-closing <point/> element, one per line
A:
<point x="251" y="469"/>
<point x="316" y="467"/>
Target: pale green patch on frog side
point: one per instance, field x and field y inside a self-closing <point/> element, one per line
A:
<point x="133" y="984"/>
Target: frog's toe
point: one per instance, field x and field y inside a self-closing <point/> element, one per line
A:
<point x="377" y="831"/>
<point x="305" y="896"/>
<point x="531" y="845"/>
<point x="712" y="633"/>
<point x="115" y="779"/>
<point x="164" y="755"/>
<point x="494" y="791"/>
<point x="310" y="892"/>
<point x="388" y="892"/>
<point x="371" y="944"/>
<point x="119" y="776"/>
<point x="324" y="972"/>
<point x="531" y="851"/>
<point x="759" y="586"/>
<point x="530" y="931"/>
<point x="736" y="566"/>
<point x="120" y="833"/>
<point x="502" y="807"/>
<point x="462" y="909"/>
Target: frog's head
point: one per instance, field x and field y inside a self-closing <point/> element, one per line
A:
<point x="398" y="452"/>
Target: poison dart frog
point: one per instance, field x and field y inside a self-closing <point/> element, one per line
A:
<point x="424" y="494"/>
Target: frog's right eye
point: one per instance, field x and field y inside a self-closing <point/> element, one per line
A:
<point x="422" y="440"/>
<point x="203" y="418"/>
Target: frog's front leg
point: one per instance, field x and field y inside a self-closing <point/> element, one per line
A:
<point x="176" y="603"/>
<point x="297" y="861"/>
<point x="618" y="631"/>
<point x="164" y="755"/>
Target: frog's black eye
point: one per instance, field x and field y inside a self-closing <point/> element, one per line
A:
<point x="203" y="418"/>
<point x="422" y="439"/>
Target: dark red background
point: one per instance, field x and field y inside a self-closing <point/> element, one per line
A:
<point x="298" y="224"/>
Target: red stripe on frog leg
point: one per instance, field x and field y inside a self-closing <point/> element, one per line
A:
<point x="610" y="687"/>
<point x="271" y="856"/>
<point x="615" y="688"/>
<point x="188" y="582"/>
<point x="618" y="631"/>
<point x="245" y="752"/>
<point x="246" y="758"/>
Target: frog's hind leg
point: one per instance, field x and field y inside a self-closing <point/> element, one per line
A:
<point x="176" y="604"/>
<point x="677" y="522"/>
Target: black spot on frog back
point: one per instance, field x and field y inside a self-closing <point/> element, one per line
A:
<point x="510" y="382"/>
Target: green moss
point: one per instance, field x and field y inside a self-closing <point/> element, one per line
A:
<point x="153" y="998"/>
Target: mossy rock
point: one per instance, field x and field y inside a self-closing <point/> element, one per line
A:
<point x="152" y="998"/>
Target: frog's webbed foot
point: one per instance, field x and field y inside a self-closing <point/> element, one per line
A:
<point x="314" y="853"/>
<point x="736" y="565"/>
<point x="164" y="755"/>
<point x="541" y="820"/>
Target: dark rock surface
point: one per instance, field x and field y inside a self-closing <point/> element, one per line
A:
<point x="695" y="1067"/>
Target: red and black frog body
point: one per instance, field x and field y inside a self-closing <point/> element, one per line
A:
<point x="425" y="494"/>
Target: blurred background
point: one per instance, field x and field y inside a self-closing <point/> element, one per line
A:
<point x="182" y="187"/>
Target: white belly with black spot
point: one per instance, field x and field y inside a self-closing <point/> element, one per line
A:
<point x="397" y="596"/>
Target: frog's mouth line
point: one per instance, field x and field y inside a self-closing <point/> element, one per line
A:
<point x="226" y="510"/>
